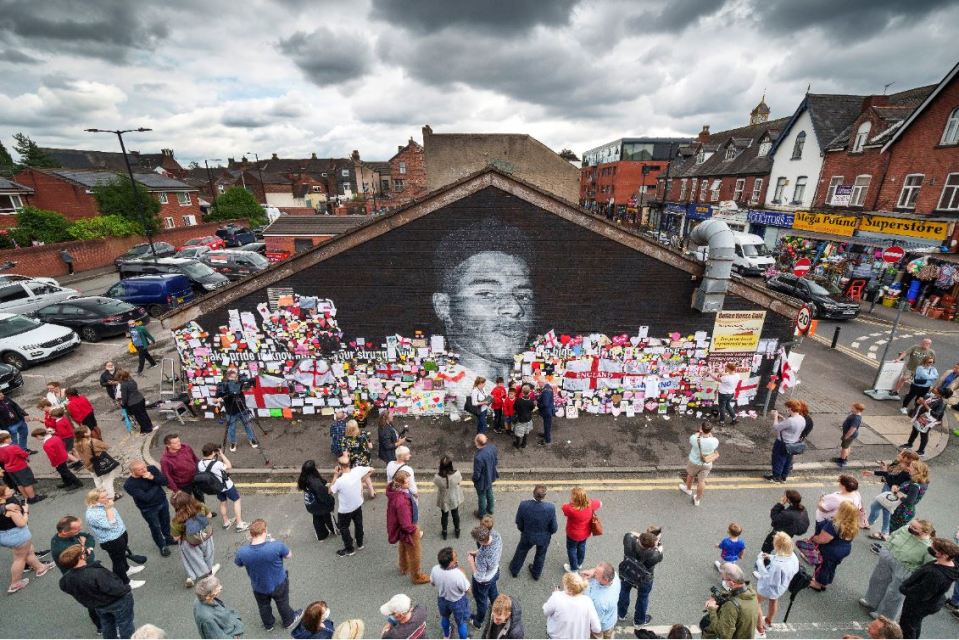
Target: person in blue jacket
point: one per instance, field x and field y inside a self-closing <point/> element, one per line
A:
<point x="536" y="521"/>
<point x="484" y="474"/>
<point x="547" y="408"/>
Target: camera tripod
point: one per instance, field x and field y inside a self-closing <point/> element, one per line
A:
<point x="255" y="421"/>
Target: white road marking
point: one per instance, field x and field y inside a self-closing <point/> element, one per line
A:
<point x="854" y="345"/>
<point x="872" y="355"/>
<point x="862" y="338"/>
<point x="874" y="347"/>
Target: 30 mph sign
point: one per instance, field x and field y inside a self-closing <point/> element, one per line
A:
<point x="893" y="254"/>
<point x="803" y="319"/>
<point x="802" y="267"/>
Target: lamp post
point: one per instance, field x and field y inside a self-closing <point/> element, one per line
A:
<point x="133" y="185"/>
<point x="259" y="173"/>
<point x="209" y="177"/>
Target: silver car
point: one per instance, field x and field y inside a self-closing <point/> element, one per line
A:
<point x="29" y="295"/>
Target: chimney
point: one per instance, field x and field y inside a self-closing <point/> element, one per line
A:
<point x="704" y="134"/>
<point x="875" y="101"/>
<point x="313" y="156"/>
<point x="427" y="132"/>
<point x="355" y="156"/>
<point x="399" y="148"/>
<point x="275" y="157"/>
<point x="167" y="152"/>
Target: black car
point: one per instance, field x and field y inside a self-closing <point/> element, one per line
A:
<point x="235" y="264"/>
<point x="93" y="317"/>
<point x="163" y="249"/>
<point x="10" y="378"/>
<point x="202" y="277"/>
<point x="825" y="300"/>
<point x="255" y="247"/>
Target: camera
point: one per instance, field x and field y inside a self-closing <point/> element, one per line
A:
<point x="404" y="433"/>
<point x="721" y="596"/>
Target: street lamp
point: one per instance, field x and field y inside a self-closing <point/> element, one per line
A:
<point x="133" y="185"/>
<point x="209" y="177"/>
<point x="259" y="172"/>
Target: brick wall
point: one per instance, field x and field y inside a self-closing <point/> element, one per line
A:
<point x="55" y="194"/>
<point x="414" y="178"/>
<point x="92" y="254"/>
<point x="727" y="190"/>
<point x="173" y="209"/>
<point x="624" y="182"/>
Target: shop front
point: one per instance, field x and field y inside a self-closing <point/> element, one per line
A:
<point x="769" y="225"/>
<point x="696" y="213"/>
<point x="734" y="217"/>
<point x="672" y="219"/>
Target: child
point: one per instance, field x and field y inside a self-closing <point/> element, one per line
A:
<point x="731" y="548"/>
<point x="57" y="454"/>
<point x="14" y="461"/>
<point x="499" y="395"/>
<point x="56" y="419"/>
<point x="850" y="431"/>
<point x="508" y="411"/>
<point x="80" y="409"/>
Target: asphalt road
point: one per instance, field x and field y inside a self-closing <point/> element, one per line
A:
<point x="357" y="586"/>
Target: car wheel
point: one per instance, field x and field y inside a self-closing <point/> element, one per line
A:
<point x="156" y="310"/>
<point x="89" y="334"/>
<point x="14" y="360"/>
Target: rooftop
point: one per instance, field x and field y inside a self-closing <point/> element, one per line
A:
<point x="314" y="225"/>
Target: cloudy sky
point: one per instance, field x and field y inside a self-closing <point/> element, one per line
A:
<point x="297" y="76"/>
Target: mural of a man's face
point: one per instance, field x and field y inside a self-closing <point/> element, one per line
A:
<point x="487" y="306"/>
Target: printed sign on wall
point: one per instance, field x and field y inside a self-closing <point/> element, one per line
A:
<point x="737" y="331"/>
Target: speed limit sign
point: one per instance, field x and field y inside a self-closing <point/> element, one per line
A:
<point x="803" y="319"/>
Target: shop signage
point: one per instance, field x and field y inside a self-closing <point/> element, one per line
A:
<point x="802" y="267"/>
<point x="770" y="218"/>
<point x="699" y="211"/>
<point x="911" y="227"/>
<point x="893" y="254"/>
<point x="675" y="209"/>
<point x="833" y="223"/>
<point x="737" y="331"/>
<point x="843" y="196"/>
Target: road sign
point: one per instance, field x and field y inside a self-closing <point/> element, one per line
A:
<point x="893" y="254"/>
<point x="803" y="319"/>
<point x="802" y="267"/>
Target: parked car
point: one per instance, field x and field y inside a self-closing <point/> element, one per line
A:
<point x="235" y="235"/>
<point x="26" y="341"/>
<point x="255" y="247"/>
<point x="193" y="252"/>
<point x="826" y="300"/>
<point x="235" y="264"/>
<point x="214" y="242"/>
<point x="201" y="276"/>
<point x="10" y="378"/>
<point x="93" y="317"/>
<point x="29" y="295"/>
<point x="163" y="249"/>
<point x="7" y="278"/>
<point x="158" y="293"/>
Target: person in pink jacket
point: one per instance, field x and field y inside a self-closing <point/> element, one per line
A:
<point x="402" y="515"/>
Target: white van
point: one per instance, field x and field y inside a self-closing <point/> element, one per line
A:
<point x="752" y="255"/>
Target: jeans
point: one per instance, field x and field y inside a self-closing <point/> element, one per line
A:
<point x="459" y="610"/>
<point x="117" y="550"/>
<point x="576" y="552"/>
<point x="875" y="509"/>
<point x="18" y="433"/>
<point x="547" y="427"/>
<point x="484" y="498"/>
<point x="116" y="618"/>
<point x="642" y="601"/>
<point x="280" y="595"/>
<point x="481" y="422"/>
<point x="158" y="519"/>
<point x="244" y="417"/>
<point x="782" y="462"/>
<point x="343" y="522"/>
<point x="323" y="525"/>
<point x="726" y="406"/>
<point x="143" y="354"/>
<point x="484" y="593"/>
<point x="522" y="550"/>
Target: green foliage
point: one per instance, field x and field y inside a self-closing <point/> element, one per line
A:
<point x="7" y="167"/>
<point x="41" y="225"/>
<point x="237" y="202"/>
<point x="104" y="227"/>
<point x="30" y="154"/>
<point x="118" y="199"/>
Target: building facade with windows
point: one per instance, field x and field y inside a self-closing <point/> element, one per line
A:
<point x="407" y="175"/>
<point x="624" y="169"/>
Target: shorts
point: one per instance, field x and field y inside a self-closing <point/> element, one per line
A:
<point x="229" y="494"/>
<point x="23" y="478"/>
<point x="845" y="443"/>
<point x="16" y="537"/>
<point x="698" y="471"/>
<point x="604" y="634"/>
<point x="460" y="610"/>
<point x="521" y="429"/>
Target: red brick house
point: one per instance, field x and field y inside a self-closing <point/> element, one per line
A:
<point x="407" y="174"/>
<point x="13" y="197"/>
<point x="70" y="192"/>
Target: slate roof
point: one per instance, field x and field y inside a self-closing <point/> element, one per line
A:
<point x="747" y="162"/>
<point x="154" y="181"/>
<point x="380" y="166"/>
<point x="10" y="185"/>
<point x="91" y="179"/>
<point x="87" y="159"/>
<point x="314" y="225"/>
<point x="900" y="106"/>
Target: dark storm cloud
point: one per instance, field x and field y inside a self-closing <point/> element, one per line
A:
<point x="17" y="57"/>
<point x="676" y="16"/>
<point x="510" y="16"/>
<point x="244" y="122"/>
<point x="109" y="29"/>
<point x="328" y="57"/>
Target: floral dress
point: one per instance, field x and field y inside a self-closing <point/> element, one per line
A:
<point x="906" y="510"/>
<point x="359" y="449"/>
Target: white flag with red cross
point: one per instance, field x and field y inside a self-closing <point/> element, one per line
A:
<point x="268" y="392"/>
<point x="592" y="373"/>
<point x="313" y="373"/>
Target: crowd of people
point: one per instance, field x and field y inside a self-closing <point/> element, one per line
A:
<point x="914" y="571"/>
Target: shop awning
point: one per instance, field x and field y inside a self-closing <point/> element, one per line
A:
<point x="814" y="235"/>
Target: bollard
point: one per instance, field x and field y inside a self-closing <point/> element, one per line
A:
<point x="835" y="338"/>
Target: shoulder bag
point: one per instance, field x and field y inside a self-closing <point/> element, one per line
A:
<point x="793" y="448"/>
<point x="633" y="571"/>
<point x="595" y="525"/>
<point x="888" y="500"/>
<point x="103" y="463"/>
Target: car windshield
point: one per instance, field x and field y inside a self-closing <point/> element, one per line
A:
<point x="138" y="250"/>
<point x="818" y="289"/>
<point x="197" y="270"/>
<point x="258" y="260"/>
<point x="16" y="325"/>
<point x="755" y="250"/>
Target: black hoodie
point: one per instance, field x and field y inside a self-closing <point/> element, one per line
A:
<point x="926" y="588"/>
<point x="513" y="627"/>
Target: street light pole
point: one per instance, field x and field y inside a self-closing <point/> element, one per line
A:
<point x="259" y="173"/>
<point x="133" y="184"/>
<point x="209" y="177"/>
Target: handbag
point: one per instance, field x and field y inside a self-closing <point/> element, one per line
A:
<point x="132" y="348"/>
<point x="809" y="551"/>
<point x="795" y="448"/>
<point x="595" y="526"/>
<point x="103" y="463"/>
<point x="888" y="500"/>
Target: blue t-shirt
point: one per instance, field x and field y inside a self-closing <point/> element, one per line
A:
<point x="732" y="550"/>
<point x="264" y="564"/>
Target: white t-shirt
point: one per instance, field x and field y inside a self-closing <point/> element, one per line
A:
<point x="218" y="469"/>
<point x="393" y="466"/>
<point x="349" y="488"/>
<point x="570" y="616"/>
<point x="728" y="383"/>
<point x="479" y="396"/>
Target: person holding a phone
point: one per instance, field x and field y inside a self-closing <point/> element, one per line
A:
<point x="702" y="454"/>
<point x="788" y="433"/>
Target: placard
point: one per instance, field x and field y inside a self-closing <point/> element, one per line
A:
<point x="737" y="331"/>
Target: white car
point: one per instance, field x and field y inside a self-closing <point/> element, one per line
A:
<point x="25" y="341"/>
<point x="7" y="278"/>
<point x="27" y="296"/>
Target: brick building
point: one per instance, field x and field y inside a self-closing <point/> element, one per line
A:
<point x="70" y="192"/>
<point x="13" y="197"/>
<point x="292" y="234"/>
<point x="624" y="169"/>
<point x="164" y="162"/>
<point x="338" y="176"/>
<point x="407" y="175"/>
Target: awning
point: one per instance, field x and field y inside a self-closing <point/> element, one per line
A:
<point x="813" y="235"/>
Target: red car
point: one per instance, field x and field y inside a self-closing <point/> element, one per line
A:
<point x="213" y="242"/>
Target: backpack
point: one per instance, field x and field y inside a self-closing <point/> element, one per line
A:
<point x="197" y="529"/>
<point x="208" y="482"/>
<point x="799" y="581"/>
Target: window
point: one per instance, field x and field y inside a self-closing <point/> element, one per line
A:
<point x="949" y="200"/>
<point x="398" y="185"/>
<point x="757" y="190"/>
<point x="169" y="223"/>
<point x="682" y="188"/>
<point x="189" y="221"/>
<point x="702" y="190"/>
<point x="183" y="198"/>
<point x="910" y="191"/>
<point x="714" y="190"/>
<point x="701" y="157"/>
<point x="669" y="185"/>
<point x="740" y="187"/>
<point x="692" y="191"/>
<point x="799" y="144"/>
<point x="402" y="167"/>
<point x="799" y="190"/>
<point x="778" y="193"/>
<point x="163" y="198"/>
<point x="13" y="292"/>
<point x="345" y="173"/>
<point x="859" y="189"/>
<point x="730" y="153"/>
<point x="834" y="182"/>
<point x="220" y="188"/>
<point x="10" y="204"/>
<point x="862" y="134"/>
<point x="764" y="147"/>
<point x="950" y="135"/>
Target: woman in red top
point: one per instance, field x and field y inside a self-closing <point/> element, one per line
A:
<point x="14" y="462"/>
<point x="579" y="514"/>
<point x="81" y="411"/>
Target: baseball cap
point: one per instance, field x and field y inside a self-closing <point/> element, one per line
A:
<point x="400" y="603"/>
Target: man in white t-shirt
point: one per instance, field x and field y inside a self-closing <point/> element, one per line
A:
<point x="347" y="486"/>
<point x="402" y="461"/>
<point x="218" y="464"/>
<point x="728" y="383"/>
<point x="702" y="452"/>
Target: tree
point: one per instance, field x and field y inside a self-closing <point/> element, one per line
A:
<point x="103" y="227"/>
<point x="567" y="154"/>
<point x="193" y="165"/>
<point x="30" y="154"/>
<point x="40" y="225"/>
<point x="116" y="198"/>
<point x="7" y="166"/>
<point x="237" y="202"/>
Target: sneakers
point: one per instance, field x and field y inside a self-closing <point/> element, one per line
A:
<point x="757" y="576"/>
<point x="904" y="411"/>
<point x="864" y="603"/>
<point x="904" y="447"/>
<point x="242" y="526"/>
<point x="360" y="547"/>
<point x="718" y="565"/>
<point x="137" y="559"/>
<point x="685" y="489"/>
<point x="134" y="570"/>
<point x="188" y="583"/>
<point x="214" y="569"/>
<point x="165" y="552"/>
<point x="346" y="552"/>
<point x="695" y="501"/>
<point x="37" y="498"/>
<point x="136" y="584"/>
<point x="297" y="616"/>
<point x="232" y="447"/>
<point x="567" y="568"/>
<point x="254" y="444"/>
<point x="227" y="523"/>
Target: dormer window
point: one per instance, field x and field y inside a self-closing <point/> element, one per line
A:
<point x="764" y="146"/>
<point x="862" y="134"/>
<point x="730" y="152"/>
<point x="701" y="156"/>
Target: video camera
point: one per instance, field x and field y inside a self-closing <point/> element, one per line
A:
<point x="404" y="431"/>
